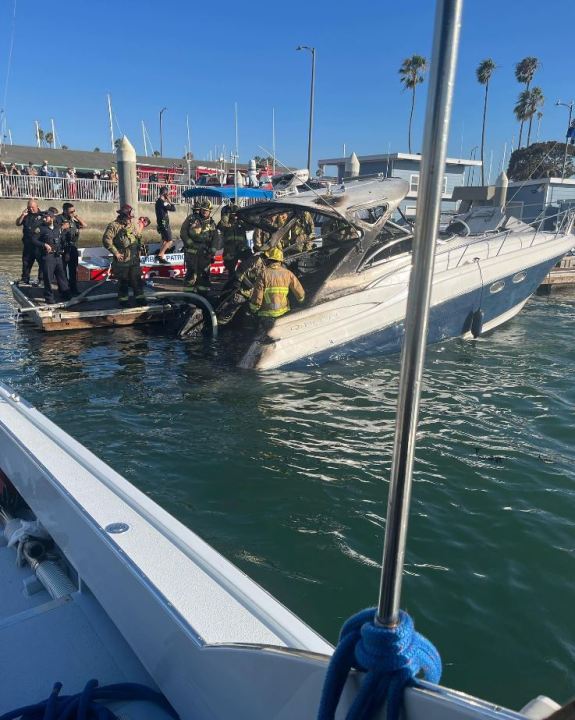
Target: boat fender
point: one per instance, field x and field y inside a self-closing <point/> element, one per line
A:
<point x="477" y="323"/>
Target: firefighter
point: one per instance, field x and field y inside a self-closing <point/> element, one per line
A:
<point x="200" y="245"/>
<point x="269" y="299"/>
<point x="233" y="234"/>
<point x="123" y="239"/>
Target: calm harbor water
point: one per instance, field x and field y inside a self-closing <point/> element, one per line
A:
<point x="285" y="473"/>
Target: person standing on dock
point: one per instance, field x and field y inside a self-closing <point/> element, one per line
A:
<point x="47" y="241"/>
<point x="30" y="220"/>
<point x="70" y="224"/>
<point x="163" y="208"/>
<point x="200" y="244"/>
<point x="123" y="239"/>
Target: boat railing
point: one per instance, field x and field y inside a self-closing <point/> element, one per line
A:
<point x="564" y="224"/>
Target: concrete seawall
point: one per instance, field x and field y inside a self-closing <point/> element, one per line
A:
<point x="96" y="214"/>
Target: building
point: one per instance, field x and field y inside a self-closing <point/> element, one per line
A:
<point x="531" y="200"/>
<point x="406" y="166"/>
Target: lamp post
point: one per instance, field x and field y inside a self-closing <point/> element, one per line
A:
<point x="162" y="133"/>
<point x="311" y="101"/>
<point x="570" y="108"/>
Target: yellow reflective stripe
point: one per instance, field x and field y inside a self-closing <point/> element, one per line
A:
<point x="254" y="308"/>
<point x="276" y="291"/>
<point x="273" y="313"/>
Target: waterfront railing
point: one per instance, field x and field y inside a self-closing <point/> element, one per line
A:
<point x="61" y="188"/>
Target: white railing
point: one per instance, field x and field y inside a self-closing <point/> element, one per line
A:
<point x="59" y="188"/>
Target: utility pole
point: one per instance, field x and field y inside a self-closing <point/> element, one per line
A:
<point x="311" y="104"/>
<point x="162" y="133"/>
<point x="570" y="108"/>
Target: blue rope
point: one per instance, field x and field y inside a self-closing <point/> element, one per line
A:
<point x="391" y="659"/>
<point x="87" y="705"/>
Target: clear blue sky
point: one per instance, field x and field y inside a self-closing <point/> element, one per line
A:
<point x="198" y="58"/>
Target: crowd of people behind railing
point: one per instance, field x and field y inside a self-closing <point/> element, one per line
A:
<point x="29" y="181"/>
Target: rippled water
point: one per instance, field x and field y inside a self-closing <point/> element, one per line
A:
<point x="286" y="473"/>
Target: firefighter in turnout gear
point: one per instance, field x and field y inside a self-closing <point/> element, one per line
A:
<point x="233" y="233"/>
<point x="269" y="299"/>
<point x="336" y="231"/>
<point x="123" y="239"/>
<point x="200" y="244"/>
<point x="302" y="234"/>
<point x="261" y="236"/>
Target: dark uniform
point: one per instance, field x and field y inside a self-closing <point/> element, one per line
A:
<point x="163" y="208"/>
<point x="31" y="226"/>
<point x="233" y="234"/>
<point x="69" y="242"/>
<point x="52" y="266"/>
<point x="123" y="241"/>
<point x="200" y="244"/>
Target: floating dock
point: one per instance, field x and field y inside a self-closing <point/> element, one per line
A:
<point x="97" y="306"/>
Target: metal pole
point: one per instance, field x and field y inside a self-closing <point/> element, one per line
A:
<point x="37" y="124"/>
<point x="570" y="106"/>
<point x="236" y="153"/>
<point x="273" y="141"/>
<point x="111" y="123"/>
<point x="144" y="139"/>
<point x="54" y="144"/>
<point x="162" y="133"/>
<point x="439" y="101"/>
<point x="311" y="103"/>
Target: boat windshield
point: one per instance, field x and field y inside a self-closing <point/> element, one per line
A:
<point x="393" y="241"/>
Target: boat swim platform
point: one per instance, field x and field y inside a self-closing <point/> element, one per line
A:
<point x="96" y="306"/>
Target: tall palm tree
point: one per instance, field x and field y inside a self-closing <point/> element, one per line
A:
<point x="524" y="73"/>
<point x="528" y="103"/>
<point x="49" y="138"/>
<point x="536" y="100"/>
<point x="484" y="72"/>
<point x="411" y="73"/>
<point x="539" y="115"/>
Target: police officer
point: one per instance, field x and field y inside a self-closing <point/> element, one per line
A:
<point x="70" y="224"/>
<point x="123" y="239"/>
<point x="48" y="243"/>
<point x="233" y="234"/>
<point x="30" y="220"/>
<point x="163" y="208"/>
<point x="269" y="299"/>
<point x="200" y="244"/>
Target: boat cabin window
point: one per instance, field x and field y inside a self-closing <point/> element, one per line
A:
<point x="371" y="215"/>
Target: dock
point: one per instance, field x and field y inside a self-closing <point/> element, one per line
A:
<point x="97" y="306"/>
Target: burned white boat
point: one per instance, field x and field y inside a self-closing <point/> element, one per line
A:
<point x="487" y="265"/>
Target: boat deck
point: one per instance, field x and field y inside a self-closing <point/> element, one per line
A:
<point x="96" y="306"/>
<point x="70" y="640"/>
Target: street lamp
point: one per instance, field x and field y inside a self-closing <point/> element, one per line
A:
<point x="570" y="107"/>
<point x="311" y="99"/>
<point x="162" y="133"/>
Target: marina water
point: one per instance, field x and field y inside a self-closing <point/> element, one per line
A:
<point x="285" y="473"/>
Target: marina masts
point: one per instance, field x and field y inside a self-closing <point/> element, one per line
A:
<point x="443" y="64"/>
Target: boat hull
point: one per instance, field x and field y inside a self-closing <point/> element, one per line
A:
<point x="372" y="320"/>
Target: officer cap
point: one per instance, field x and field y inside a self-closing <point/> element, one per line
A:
<point x="205" y="205"/>
<point x="49" y="213"/>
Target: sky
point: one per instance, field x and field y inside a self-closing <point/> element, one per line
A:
<point x="199" y="59"/>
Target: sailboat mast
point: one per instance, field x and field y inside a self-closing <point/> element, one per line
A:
<point x="439" y="101"/>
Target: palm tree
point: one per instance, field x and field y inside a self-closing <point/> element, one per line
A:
<point x="539" y="115"/>
<point x="527" y="105"/>
<point x="524" y="72"/>
<point x="412" y="74"/>
<point x="484" y="72"/>
<point x="40" y="135"/>
<point x="49" y="138"/>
